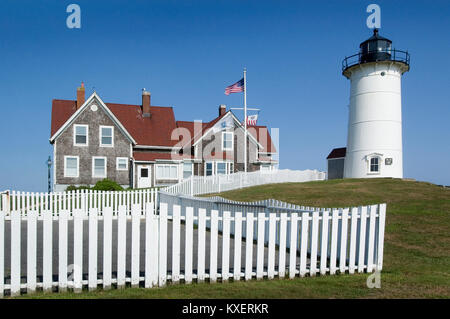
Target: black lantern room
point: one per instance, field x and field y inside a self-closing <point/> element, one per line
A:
<point x="376" y="48"/>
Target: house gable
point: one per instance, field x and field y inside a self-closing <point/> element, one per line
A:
<point x="216" y="126"/>
<point x="94" y="99"/>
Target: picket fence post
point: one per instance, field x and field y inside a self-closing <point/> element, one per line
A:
<point x="151" y="246"/>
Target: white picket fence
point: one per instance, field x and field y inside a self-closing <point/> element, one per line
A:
<point x="197" y="185"/>
<point x="270" y="206"/>
<point x="24" y="202"/>
<point x="129" y="242"/>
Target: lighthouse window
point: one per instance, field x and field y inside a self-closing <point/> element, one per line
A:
<point x="374" y="164"/>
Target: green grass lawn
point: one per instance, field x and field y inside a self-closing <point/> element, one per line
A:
<point x="416" y="255"/>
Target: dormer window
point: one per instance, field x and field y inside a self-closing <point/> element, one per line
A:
<point x="106" y="136"/>
<point x="227" y="141"/>
<point x="80" y="135"/>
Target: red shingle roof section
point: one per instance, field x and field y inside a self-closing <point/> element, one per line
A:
<point x="337" y="153"/>
<point x="152" y="156"/>
<point x="62" y="110"/>
<point x="155" y="130"/>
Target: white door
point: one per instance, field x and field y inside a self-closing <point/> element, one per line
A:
<point x="144" y="176"/>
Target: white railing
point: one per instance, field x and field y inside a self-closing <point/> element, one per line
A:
<point x="198" y="185"/>
<point x="63" y="249"/>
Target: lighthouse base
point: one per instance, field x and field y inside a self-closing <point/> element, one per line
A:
<point x="373" y="164"/>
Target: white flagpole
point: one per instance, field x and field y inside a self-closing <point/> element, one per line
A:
<point x="245" y="120"/>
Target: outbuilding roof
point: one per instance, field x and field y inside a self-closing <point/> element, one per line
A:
<point x="337" y="153"/>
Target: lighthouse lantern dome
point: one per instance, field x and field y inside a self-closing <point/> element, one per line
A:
<point x="376" y="48"/>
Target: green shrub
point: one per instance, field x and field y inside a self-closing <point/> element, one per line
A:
<point x="107" y="185"/>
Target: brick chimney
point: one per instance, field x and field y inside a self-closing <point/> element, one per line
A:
<point x="222" y="109"/>
<point x="146" y="103"/>
<point x="80" y="95"/>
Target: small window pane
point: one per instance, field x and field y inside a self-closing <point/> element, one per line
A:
<point x="227" y="140"/>
<point x="106" y="140"/>
<point x="187" y="170"/>
<point x="144" y="172"/>
<point x="80" y="135"/>
<point x="107" y="136"/>
<point x="79" y="139"/>
<point x="71" y="166"/>
<point x="173" y="172"/>
<point x="221" y="168"/>
<point x="99" y="167"/>
<point x="208" y="169"/>
<point x="374" y="164"/>
<point x="159" y="171"/>
<point x="122" y="163"/>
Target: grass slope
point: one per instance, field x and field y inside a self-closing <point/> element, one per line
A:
<point x="416" y="256"/>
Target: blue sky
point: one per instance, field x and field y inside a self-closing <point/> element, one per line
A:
<point x="186" y="52"/>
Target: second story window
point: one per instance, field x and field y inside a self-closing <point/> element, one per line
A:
<point x="106" y="136"/>
<point x="227" y="141"/>
<point x="80" y="135"/>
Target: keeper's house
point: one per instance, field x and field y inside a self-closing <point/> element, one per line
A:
<point x="144" y="146"/>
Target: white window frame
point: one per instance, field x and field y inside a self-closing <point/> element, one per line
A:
<point x="212" y="168"/>
<point x="380" y="161"/>
<point x="217" y="167"/>
<point x="182" y="169"/>
<point x="75" y="134"/>
<point x="167" y="178"/>
<point x="65" y="166"/>
<point x="117" y="163"/>
<point x="223" y="141"/>
<point x="100" y="135"/>
<point x="93" y="166"/>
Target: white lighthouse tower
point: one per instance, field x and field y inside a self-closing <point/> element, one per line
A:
<point x="374" y="142"/>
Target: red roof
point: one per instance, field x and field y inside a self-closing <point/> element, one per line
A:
<point x="337" y="153"/>
<point x="62" y="110"/>
<point x="152" y="156"/>
<point x="155" y="130"/>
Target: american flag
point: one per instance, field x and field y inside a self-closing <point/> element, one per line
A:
<point x="251" y="119"/>
<point x="235" y="88"/>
